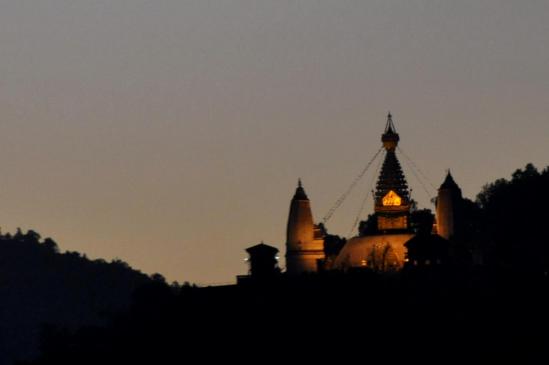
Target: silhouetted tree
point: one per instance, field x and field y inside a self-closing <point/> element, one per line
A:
<point x="369" y="226"/>
<point x="514" y="217"/>
<point x="422" y="220"/>
<point x="51" y="245"/>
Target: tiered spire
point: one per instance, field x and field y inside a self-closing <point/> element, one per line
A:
<point x="391" y="177"/>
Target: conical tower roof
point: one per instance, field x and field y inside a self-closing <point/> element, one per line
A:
<point x="300" y="227"/>
<point x="449" y="182"/>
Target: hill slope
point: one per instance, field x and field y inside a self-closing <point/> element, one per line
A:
<point x="39" y="286"/>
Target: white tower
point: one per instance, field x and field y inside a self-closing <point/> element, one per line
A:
<point x="304" y="241"/>
<point x="448" y="201"/>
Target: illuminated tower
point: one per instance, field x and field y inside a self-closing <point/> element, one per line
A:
<point x="384" y="250"/>
<point x="448" y="202"/>
<point x="392" y="197"/>
<point x="304" y="243"/>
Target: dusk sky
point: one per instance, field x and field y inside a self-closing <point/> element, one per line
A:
<point x="171" y="133"/>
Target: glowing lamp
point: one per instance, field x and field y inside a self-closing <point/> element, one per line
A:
<point x="391" y="200"/>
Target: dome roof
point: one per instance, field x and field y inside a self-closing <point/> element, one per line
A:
<point x="380" y="252"/>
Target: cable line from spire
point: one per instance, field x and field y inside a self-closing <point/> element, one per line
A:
<point x="363" y="204"/>
<point x="349" y="190"/>
<point x="421" y="184"/>
<point x="417" y="168"/>
<point x="413" y="168"/>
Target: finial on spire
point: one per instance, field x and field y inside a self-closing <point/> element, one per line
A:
<point x="300" y="192"/>
<point x="390" y="137"/>
<point x="390" y="127"/>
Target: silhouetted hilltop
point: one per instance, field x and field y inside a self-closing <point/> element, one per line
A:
<point x="39" y="285"/>
<point x="435" y="316"/>
<point x="465" y="311"/>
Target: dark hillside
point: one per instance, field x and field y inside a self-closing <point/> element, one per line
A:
<point x="39" y="285"/>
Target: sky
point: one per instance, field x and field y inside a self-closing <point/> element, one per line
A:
<point x="170" y="133"/>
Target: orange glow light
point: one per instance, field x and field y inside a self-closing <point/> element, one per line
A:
<point x="392" y="199"/>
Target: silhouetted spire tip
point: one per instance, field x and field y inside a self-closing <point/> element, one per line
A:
<point x="390" y="127"/>
<point x="300" y="192"/>
<point x="390" y="136"/>
<point x="449" y="181"/>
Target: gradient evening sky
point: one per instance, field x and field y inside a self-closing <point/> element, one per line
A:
<point x="171" y="133"/>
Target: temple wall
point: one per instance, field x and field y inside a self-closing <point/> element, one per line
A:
<point x="298" y="262"/>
